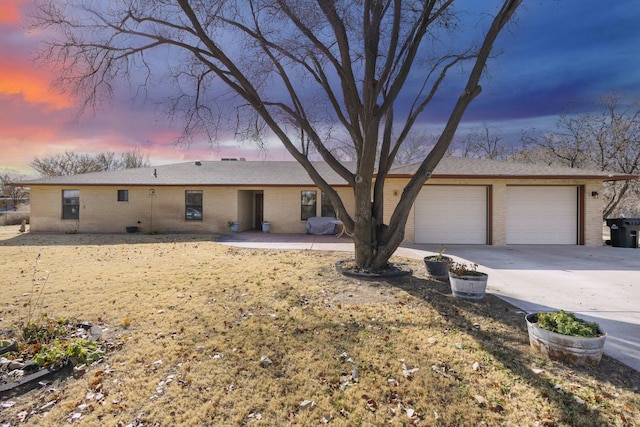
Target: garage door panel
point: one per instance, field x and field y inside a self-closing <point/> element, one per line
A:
<point x="451" y="214"/>
<point x="542" y="215"/>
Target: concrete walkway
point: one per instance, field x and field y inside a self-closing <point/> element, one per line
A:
<point x="599" y="283"/>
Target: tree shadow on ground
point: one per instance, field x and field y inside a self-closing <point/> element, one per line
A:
<point x="511" y="348"/>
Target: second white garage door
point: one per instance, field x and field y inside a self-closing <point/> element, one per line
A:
<point x="542" y="215"/>
<point x="451" y="214"/>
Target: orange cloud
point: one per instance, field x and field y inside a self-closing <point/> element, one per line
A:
<point x="10" y="11"/>
<point x="19" y="75"/>
<point x="34" y="88"/>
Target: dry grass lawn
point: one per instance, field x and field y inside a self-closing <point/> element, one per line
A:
<point x="341" y="351"/>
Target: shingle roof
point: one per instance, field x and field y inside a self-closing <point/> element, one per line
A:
<point x="283" y="173"/>
<point x="220" y="173"/>
<point x="463" y="167"/>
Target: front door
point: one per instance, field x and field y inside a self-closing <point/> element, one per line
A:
<point x="259" y="210"/>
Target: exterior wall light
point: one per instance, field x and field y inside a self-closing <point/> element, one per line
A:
<point x="594" y="194"/>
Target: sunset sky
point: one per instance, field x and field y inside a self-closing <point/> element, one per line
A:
<point x="558" y="52"/>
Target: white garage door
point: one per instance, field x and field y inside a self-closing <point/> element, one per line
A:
<point x="451" y="214"/>
<point x="542" y="215"/>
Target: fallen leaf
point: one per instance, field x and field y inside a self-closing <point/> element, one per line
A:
<point x="497" y="408"/>
<point x="307" y="404"/>
<point x="481" y="400"/>
<point x="408" y="371"/>
<point x="372" y="405"/>
<point x="265" y="361"/>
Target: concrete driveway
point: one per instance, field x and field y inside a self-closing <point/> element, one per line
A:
<point x="599" y="283"/>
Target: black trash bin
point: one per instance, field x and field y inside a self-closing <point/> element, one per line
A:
<point x="624" y="232"/>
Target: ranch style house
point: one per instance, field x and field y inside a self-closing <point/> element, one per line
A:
<point x="467" y="201"/>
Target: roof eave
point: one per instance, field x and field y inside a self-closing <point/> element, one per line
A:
<point x="120" y="184"/>
<point x="523" y="176"/>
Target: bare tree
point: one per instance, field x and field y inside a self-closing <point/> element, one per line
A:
<point x="71" y="163"/>
<point x="605" y="140"/>
<point x="483" y="144"/>
<point x="415" y="148"/>
<point x="294" y="66"/>
<point x="68" y="163"/>
<point x="11" y="192"/>
<point x="133" y="159"/>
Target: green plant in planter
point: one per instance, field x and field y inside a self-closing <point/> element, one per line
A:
<point x="437" y="266"/>
<point x="439" y="257"/>
<point x="566" y="323"/>
<point x="462" y="269"/>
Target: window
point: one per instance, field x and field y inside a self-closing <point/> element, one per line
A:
<point x="70" y="204"/>
<point x="193" y="205"/>
<point x="308" y="204"/>
<point x="123" y="195"/>
<point x="326" y="208"/>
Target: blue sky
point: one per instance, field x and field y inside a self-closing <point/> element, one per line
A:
<point x="560" y="52"/>
<point x="556" y="55"/>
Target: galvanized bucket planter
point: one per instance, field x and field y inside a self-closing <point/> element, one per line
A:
<point x="578" y="351"/>
<point x="471" y="287"/>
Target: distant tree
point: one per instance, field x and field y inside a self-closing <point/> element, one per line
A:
<point x="364" y="69"/>
<point x="483" y="144"/>
<point x="133" y="159"/>
<point x="11" y="192"/>
<point x="415" y="149"/>
<point x="68" y="163"/>
<point x="71" y="163"/>
<point x="606" y="140"/>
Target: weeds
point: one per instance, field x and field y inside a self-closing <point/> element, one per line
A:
<point x="48" y="341"/>
<point x="79" y="351"/>
<point x="39" y="292"/>
<point x="44" y="331"/>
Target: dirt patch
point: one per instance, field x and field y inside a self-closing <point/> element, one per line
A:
<point x="205" y="334"/>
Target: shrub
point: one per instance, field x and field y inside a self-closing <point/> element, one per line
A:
<point x="462" y="269"/>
